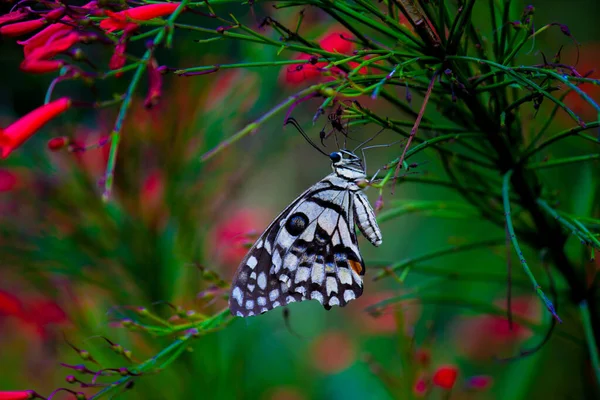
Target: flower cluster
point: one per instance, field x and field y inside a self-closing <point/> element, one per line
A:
<point x="60" y="29"/>
<point x="337" y="41"/>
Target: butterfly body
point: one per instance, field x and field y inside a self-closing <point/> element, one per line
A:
<point x="310" y="251"/>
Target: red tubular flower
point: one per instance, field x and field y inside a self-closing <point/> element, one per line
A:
<point x="122" y="19"/>
<point x="53" y="31"/>
<point x="13" y="16"/>
<point x="445" y="376"/>
<point x="118" y="59"/>
<point x="54" y="47"/>
<point x="55" y="14"/>
<point x="41" y="66"/>
<point x="18" y="395"/>
<point x="41" y="38"/>
<point x="21" y="130"/>
<point x="22" y="28"/>
<point x="58" y="143"/>
<point x="154" y="84"/>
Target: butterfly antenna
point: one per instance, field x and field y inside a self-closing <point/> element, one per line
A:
<point x="299" y="128"/>
<point x="368" y="140"/>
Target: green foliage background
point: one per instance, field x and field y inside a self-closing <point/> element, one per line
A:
<point x="60" y="241"/>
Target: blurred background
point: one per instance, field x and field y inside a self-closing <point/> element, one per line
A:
<point x="69" y="263"/>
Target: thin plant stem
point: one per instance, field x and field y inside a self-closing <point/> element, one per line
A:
<point x="513" y="237"/>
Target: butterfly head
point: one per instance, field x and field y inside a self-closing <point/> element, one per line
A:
<point x="347" y="165"/>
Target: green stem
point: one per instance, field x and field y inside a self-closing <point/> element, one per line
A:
<point x="115" y="135"/>
<point x="511" y="231"/>
<point x="591" y="341"/>
<point x="563" y="161"/>
<point x="252" y="127"/>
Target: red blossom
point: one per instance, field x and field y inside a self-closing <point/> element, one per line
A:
<point x="21" y="130"/>
<point x="18" y="395"/>
<point x="154" y="84"/>
<point x="41" y="66"/>
<point x="335" y="41"/>
<point x="22" y="28"/>
<point x="55" y="14"/>
<point x="43" y="312"/>
<point x="421" y="386"/>
<point x="298" y="73"/>
<point x="118" y="59"/>
<point x="54" y="47"/>
<point x="8" y="181"/>
<point x="9" y="303"/>
<point x="52" y="32"/>
<point x="58" y="143"/>
<point x="38" y="40"/>
<point x="122" y="19"/>
<point x="445" y="376"/>
<point x="13" y="16"/>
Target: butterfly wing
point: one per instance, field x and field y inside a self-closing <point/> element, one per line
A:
<point x="309" y="251"/>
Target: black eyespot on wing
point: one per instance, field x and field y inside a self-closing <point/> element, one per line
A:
<point x="335" y="157"/>
<point x="296" y="224"/>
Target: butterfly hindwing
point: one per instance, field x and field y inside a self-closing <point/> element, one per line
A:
<point x="309" y="252"/>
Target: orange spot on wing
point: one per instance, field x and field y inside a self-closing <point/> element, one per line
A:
<point x="356" y="266"/>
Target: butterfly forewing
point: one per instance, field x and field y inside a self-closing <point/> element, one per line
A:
<point x="310" y="251"/>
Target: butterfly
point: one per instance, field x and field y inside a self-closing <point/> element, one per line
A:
<point x="310" y="251"/>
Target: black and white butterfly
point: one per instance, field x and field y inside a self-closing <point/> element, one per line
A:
<point x="310" y="251"/>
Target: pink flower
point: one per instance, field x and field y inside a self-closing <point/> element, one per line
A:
<point x="118" y="59"/>
<point x="21" y="130"/>
<point x="53" y="48"/>
<point x="22" y="28"/>
<point x="13" y="16"/>
<point x="41" y="66"/>
<point x="18" y="395"/>
<point x="52" y="32"/>
<point x="445" y="376"/>
<point x="122" y="19"/>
